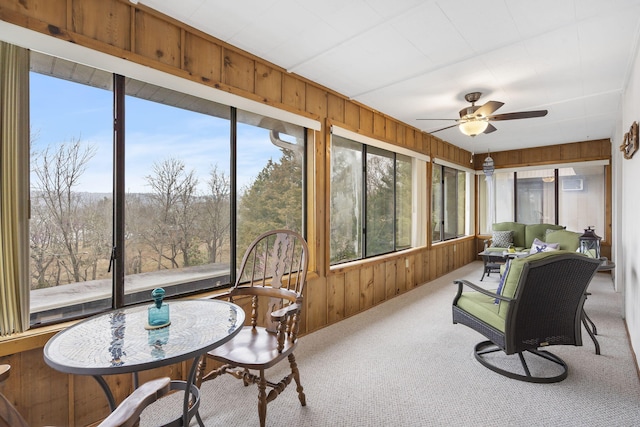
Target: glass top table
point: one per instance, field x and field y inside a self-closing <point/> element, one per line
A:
<point x="120" y="341"/>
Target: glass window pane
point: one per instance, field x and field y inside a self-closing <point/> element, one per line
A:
<point x="582" y="198"/>
<point x="451" y="202"/>
<point x="380" y="201"/>
<point x="503" y="196"/>
<point x="177" y="184"/>
<point x="461" y="203"/>
<point x="270" y="156"/>
<point x="71" y="189"/>
<point x="436" y="204"/>
<point x="346" y="200"/>
<point x="404" y="194"/>
<point x="536" y="197"/>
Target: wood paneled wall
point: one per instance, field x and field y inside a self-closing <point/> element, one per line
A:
<point x="139" y="34"/>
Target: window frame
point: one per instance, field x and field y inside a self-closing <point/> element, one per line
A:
<point x="395" y="151"/>
<point x="118" y="194"/>
<point x="512" y="176"/>
<point x="465" y="223"/>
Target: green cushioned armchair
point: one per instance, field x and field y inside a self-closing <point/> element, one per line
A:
<point x="541" y="304"/>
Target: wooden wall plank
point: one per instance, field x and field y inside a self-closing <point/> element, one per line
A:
<point x="391" y="130"/>
<point x="335" y="298"/>
<point x="391" y="287"/>
<point x="108" y="22"/>
<point x="366" y="288"/>
<point x="379" y="124"/>
<point x="366" y="120"/>
<point x="379" y="283"/>
<point x="53" y="12"/>
<point x="316" y="304"/>
<point x="352" y="292"/>
<point x="352" y="114"/>
<point x="335" y="108"/>
<point x="165" y="49"/>
<point x="293" y="92"/>
<point x="238" y="70"/>
<point x="268" y="83"/>
<point x="202" y="58"/>
<point x="316" y="101"/>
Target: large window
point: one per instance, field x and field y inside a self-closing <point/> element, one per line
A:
<point x="371" y="200"/>
<point x="571" y="195"/>
<point x="136" y="186"/>
<point x="448" y="203"/>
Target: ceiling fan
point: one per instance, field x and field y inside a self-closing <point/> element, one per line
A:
<point x="475" y="119"/>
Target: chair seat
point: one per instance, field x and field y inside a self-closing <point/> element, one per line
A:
<point x="253" y="348"/>
<point x="483" y="307"/>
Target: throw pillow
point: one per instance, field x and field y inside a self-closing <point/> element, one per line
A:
<point x="502" y="239"/>
<point x="502" y="279"/>
<point x="540" y="246"/>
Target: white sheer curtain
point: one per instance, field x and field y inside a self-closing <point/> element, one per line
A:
<point x="14" y="189"/>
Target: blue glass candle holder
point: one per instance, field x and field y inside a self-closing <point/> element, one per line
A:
<point x="159" y="312"/>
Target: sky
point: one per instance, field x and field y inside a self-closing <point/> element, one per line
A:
<point x="62" y="111"/>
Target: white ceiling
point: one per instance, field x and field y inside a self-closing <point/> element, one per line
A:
<point x="417" y="58"/>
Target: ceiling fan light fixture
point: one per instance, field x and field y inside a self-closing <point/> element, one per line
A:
<point x="473" y="127"/>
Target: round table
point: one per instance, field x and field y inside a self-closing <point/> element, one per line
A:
<point x="120" y="341"/>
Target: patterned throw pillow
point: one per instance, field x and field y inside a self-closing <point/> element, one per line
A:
<point x="540" y="246"/>
<point x="502" y="280"/>
<point x="502" y="239"/>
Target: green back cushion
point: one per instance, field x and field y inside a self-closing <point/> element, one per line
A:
<point x="516" y="227"/>
<point x="538" y="231"/>
<point x="568" y="240"/>
<point x="513" y="277"/>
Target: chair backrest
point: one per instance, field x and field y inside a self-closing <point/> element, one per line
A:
<point x="274" y="266"/>
<point x="9" y="415"/>
<point x="549" y="298"/>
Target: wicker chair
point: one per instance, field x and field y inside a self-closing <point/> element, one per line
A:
<point x="127" y="414"/>
<point x="271" y="278"/>
<point x="541" y="304"/>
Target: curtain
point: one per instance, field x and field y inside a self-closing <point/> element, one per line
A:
<point x="14" y="189"/>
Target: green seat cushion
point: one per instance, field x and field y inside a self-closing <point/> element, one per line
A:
<point x="568" y="240"/>
<point x="482" y="307"/>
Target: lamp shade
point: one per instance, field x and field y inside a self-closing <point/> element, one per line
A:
<point x="590" y="243"/>
<point x="473" y="127"/>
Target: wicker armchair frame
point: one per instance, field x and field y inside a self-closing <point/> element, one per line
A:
<point x="546" y="310"/>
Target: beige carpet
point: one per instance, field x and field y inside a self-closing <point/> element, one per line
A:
<point x="403" y="363"/>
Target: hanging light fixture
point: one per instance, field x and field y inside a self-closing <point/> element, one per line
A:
<point x="488" y="167"/>
<point x="473" y="127"/>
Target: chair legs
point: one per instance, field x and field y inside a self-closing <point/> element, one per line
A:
<point x="487" y="347"/>
<point x="261" y="381"/>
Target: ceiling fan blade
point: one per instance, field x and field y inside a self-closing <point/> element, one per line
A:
<point x="488" y="108"/>
<point x="448" y="127"/>
<point x="490" y="128"/>
<point x="439" y="119"/>
<point x="519" y="115"/>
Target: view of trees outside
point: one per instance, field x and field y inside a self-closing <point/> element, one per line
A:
<point x="387" y="212"/>
<point x="346" y="200"/>
<point x="448" y="203"/>
<point x="436" y="203"/>
<point x="70" y="227"/>
<point x="404" y="203"/>
<point x="177" y="179"/>
<point x="380" y="203"/>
